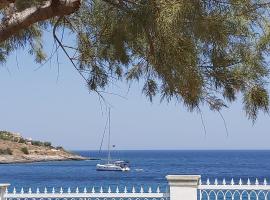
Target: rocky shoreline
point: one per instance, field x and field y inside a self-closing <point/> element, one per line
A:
<point x="9" y="159"/>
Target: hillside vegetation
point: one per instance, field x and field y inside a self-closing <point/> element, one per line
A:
<point x="15" y="148"/>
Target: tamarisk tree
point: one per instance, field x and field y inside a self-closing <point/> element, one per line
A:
<point x="198" y="52"/>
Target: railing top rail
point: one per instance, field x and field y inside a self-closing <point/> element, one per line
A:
<point x="87" y="195"/>
<point x="4" y="184"/>
<point x="234" y="185"/>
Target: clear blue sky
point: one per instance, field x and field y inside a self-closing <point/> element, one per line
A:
<point x="39" y="105"/>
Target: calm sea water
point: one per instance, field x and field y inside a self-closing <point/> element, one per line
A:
<point x="149" y="168"/>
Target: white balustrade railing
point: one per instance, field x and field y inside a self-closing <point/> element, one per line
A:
<point x="181" y="187"/>
<point x="90" y="193"/>
<point x="235" y="190"/>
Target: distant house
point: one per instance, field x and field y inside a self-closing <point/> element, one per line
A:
<point x="28" y="140"/>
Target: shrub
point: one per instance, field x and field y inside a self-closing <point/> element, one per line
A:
<point x="47" y="144"/>
<point x="25" y="150"/>
<point x="22" y="140"/>
<point x="4" y="135"/>
<point x="6" y="151"/>
<point x="59" y="148"/>
<point x="37" y="143"/>
<point x="9" y="152"/>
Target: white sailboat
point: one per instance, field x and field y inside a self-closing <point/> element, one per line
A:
<point x="118" y="165"/>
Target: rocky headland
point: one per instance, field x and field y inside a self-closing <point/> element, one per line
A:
<point x="16" y="149"/>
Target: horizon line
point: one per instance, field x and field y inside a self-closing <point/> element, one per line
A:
<point x="173" y="150"/>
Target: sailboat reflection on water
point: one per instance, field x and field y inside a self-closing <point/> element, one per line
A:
<point x="118" y="165"/>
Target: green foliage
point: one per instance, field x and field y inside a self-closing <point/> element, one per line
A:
<point x="59" y="148"/>
<point x="47" y="144"/>
<point x="195" y="52"/>
<point x="5" y="135"/>
<point x="22" y="140"/>
<point x="256" y="98"/>
<point x="28" y="38"/>
<point x="25" y="150"/>
<point x="37" y="143"/>
<point x="6" y="151"/>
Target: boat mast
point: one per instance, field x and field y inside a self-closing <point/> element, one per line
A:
<point x="109" y="150"/>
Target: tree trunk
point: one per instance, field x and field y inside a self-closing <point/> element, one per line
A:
<point x="22" y="20"/>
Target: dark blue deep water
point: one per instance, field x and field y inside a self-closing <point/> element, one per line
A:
<point x="149" y="168"/>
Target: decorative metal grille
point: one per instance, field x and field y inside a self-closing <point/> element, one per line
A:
<point x="232" y="191"/>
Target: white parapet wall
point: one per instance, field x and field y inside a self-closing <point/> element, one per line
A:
<point x="3" y="189"/>
<point x="183" y="187"/>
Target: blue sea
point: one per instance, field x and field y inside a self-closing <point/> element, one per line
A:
<point x="148" y="168"/>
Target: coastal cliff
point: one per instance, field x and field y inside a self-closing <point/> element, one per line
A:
<point x="16" y="149"/>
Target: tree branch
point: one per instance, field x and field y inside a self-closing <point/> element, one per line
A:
<point x="5" y="3"/>
<point x="21" y="20"/>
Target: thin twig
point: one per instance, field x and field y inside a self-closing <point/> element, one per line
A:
<point x="63" y="48"/>
<point x="104" y="131"/>
<point x="225" y="124"/>
<point x="202" y="120"/>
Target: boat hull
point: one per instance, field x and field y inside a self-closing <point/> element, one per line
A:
<point x="111" y="167"/>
